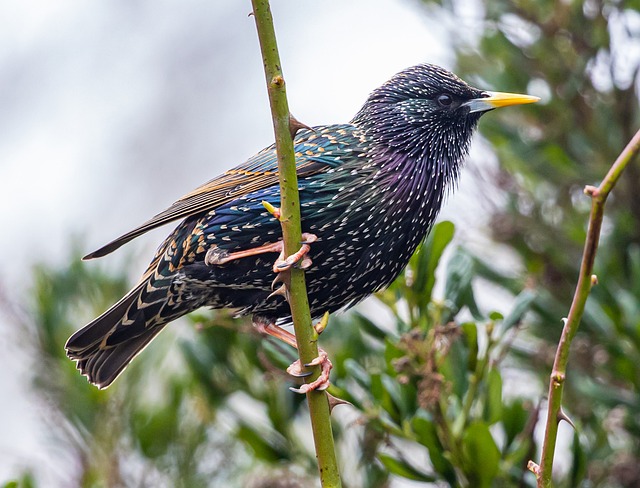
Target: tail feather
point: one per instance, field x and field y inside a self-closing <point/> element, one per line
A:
<point x="103" y="366"/>
<point x="95" y="331"/>
<point x="101" y="358"/>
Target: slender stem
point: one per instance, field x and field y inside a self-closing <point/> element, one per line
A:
<point x="291" y="233"/>
<point x="585" y="281"/>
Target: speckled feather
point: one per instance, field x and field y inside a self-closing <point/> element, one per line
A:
<point x="370" y="190"/>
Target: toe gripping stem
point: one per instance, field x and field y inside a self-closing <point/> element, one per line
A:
<point x="297" y="368"/>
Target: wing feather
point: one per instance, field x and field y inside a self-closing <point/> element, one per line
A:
<point x="260" y="171"/>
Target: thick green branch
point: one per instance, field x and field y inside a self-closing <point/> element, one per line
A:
<point x="585" y="281"/>
<point x="306" y="336"/>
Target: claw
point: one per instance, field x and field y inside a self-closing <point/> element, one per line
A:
<point x="322" y="381"/>
<point x="283" y="264"/>
<point x="215" y="256"/>
<point x="301" y="374"/>
<point x="308" y="238"/>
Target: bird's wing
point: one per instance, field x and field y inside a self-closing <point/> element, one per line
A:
<point x="316" y="150"/>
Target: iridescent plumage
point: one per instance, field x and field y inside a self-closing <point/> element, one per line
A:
<point x="370" y="190"/>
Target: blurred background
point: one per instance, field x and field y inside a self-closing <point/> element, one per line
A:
<point x="111" y="111"/>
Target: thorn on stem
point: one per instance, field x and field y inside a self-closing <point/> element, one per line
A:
<point x="295" y="125"/>
<point x="563" y="416"/>
<point x="335" y="401"/>
<point x="280" y="278"/>
<point x="282" y="291"/>
<point x="277" y="80"/>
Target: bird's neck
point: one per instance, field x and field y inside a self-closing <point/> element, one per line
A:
<point x="418" y="163"/>
<point x="417" y="186"/>
<point x="417" y="181"/>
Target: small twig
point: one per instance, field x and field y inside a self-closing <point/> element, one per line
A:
<point x="586" y="280"/>
<point x="306" y="336"/>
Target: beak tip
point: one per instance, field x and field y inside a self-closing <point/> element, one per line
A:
<point x="499" y="99"/>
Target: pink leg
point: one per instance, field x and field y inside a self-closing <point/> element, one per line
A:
<point x="216" y="256"/>
<point x="320" y="383"/>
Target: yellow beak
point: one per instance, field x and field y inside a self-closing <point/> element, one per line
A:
<point x="497" y="100"/>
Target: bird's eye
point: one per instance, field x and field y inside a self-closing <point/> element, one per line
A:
<point x="445" y="100"/>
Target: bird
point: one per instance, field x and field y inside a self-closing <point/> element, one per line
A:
<point x="370" y="191"/>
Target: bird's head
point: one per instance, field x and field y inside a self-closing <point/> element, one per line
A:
<point x="427" y="111"/>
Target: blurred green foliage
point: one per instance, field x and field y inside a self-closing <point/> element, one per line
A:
<point x="441" y="390"/>
<point x="582" y="58"/>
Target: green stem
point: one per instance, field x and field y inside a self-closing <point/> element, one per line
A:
<point x="585" y="281"/>
<point x="306" y="336"/>
<point x="471" y="395"/>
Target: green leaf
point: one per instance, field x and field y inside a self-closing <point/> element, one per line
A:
<point x="25" y="481"/>
<point x="357" y="373"/>
<point x="470" y="334"/>
<point x="270" y="447"/>
<point x="493" y="404"/>
<point x="426" y="434"/>
<point x="579" y="465"/>
<point x="458" y="290"/>
<point x="427" y="260"/>
<point x="496" y="316"/>
<point x="521" y="305"/>
<point x="393" y="389"/>
<point x="634" y="268"/>
<point x="400" y="467"/>
<point x="156" y="428"/>
<point x="514" y="420"/>
<point x="392" y="352"/>
<point x="454" y="369"/>
<point x="482" y="457"/>
<point x="364" y="324"/>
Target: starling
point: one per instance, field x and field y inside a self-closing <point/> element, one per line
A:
<point x="370" y="191"/>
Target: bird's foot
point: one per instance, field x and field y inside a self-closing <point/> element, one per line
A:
<point x="283" y="264"/>
<point x="266" y="326"/>
<point x="321" y="382"/>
